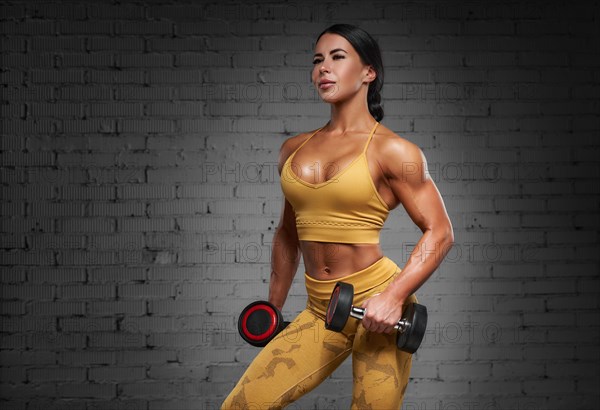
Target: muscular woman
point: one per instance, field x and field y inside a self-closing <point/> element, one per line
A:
<point x="340" y="182"/>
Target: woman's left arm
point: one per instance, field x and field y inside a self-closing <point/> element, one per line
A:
<point x="405" y="168"/>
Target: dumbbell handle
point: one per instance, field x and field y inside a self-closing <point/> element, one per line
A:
<point x="359" y="313"/>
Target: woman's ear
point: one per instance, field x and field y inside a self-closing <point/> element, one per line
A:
<point x="371" y="74"/>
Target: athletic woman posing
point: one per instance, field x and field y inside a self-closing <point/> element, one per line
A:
<point x="340" y="182"/>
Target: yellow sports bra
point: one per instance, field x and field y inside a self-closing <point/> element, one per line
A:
<point x="346" y="208"/>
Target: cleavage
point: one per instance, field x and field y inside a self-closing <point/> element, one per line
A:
<point x="319" y="171"/>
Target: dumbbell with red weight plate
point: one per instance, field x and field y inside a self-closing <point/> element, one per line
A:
<point x="260" y="322"/>
<point x="411" y="327"/>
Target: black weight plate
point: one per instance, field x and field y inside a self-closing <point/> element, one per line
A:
<point x="408" y="314"/>
<point x="339" y="307"/>
<point x="259" y="322"/>
<point x="332" y="306"/>
<point x="416" y="332"/>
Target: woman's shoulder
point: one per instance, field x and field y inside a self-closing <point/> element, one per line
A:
<point x="290" y="144"/>
<point x="296" y="139"/>
<point x="387" y="139"/>
<point x="393" y="151"/>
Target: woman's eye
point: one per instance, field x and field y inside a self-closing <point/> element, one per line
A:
<point x="318" y="60"/>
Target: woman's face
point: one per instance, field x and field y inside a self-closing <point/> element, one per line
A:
<point x="337" y="61"/>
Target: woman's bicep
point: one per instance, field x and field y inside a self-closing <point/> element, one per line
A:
<point x="411" y="183"/>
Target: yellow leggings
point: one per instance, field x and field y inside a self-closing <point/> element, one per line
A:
<point x="305" y="353"/>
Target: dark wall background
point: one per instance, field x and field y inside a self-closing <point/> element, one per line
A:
<point x="140" y="194"/>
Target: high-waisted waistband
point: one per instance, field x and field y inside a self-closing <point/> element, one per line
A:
<point x="364" y="280"/>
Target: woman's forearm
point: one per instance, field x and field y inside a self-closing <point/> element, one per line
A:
<point x="425" y="258"/>
<point x="285" y="258"/>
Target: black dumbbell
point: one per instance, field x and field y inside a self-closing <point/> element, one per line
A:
<point x="411" y="327"/>
<point x="260" y="322"/>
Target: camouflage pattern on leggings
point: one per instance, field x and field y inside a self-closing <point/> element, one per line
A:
<point x="303" y="355"/>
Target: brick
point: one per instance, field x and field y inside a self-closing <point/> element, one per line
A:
<point x="462" y="371"/>
<point x="50" y="374"/>
<point x="98" y="390"/>
<point x="171" y="372"/>
<point x="496" y="287"/>
<point x="508" y="387"/>
<point x="540" y="353"/>
<point x="116" y="340"/>
<point x="101" y="308"/>
<point x="492" y="353"/>
<point x="13" y="374"/>
<point x="116" y="373"/>
<point x="518" y="304"/>
<point x="562" y="318"/>
<point x="510" y="370"/>
<point x="533" y="387"/>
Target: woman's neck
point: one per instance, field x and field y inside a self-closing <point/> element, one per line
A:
<point x="350" y="116"/>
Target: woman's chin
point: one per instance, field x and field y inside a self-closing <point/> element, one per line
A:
<point x="329" y="97"/>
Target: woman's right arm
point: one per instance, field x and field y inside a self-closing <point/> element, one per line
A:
<point x="285" y="253"/>
<point x="285" y="257"/>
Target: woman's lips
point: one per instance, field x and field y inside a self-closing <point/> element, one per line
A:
<point x="327" y="85"/>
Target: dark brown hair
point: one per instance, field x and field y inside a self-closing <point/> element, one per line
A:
<point x="370" y="54"/>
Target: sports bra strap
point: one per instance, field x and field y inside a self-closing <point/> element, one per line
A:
<point x="306" y="140"/>
<point x="370" y="136"/>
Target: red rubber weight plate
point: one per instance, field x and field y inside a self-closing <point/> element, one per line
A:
<point x="257" y="309"/>
<point x="332" y="304"/>
<point x="339" y="307"/>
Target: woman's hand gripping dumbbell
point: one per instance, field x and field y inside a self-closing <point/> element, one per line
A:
<point x="411" y="327"/>
<point x="260" y="322"/>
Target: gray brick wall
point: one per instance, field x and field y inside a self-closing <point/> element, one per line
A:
<point x="140" y="193"/>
